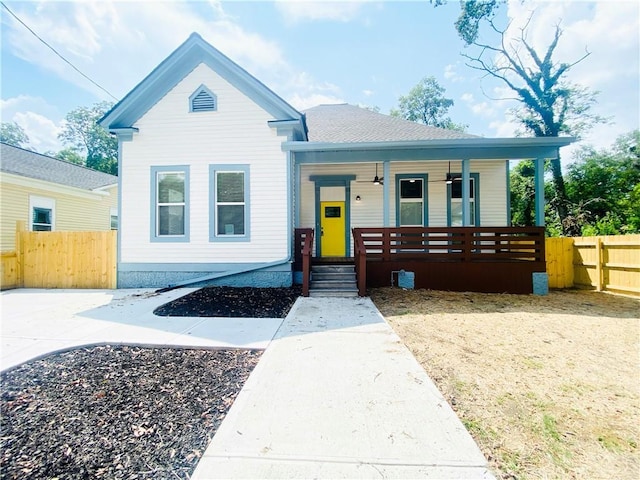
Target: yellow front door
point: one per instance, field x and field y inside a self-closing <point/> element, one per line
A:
<point x="332" y="229"/>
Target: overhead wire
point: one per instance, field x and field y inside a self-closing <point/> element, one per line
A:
<point x="56" y="52"/>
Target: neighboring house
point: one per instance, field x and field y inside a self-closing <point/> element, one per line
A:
<point x="52" y="195"/>
<point x="217" y="172"/>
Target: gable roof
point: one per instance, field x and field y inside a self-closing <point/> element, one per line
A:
<point x="194" y="51"/>
<point x="26" y="163"/>
<point x="344" y="123"/>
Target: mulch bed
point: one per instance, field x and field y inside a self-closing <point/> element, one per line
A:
<point x="116" y="412"/>
<point x="119" y="412"/>
<point x="233" y="302"/>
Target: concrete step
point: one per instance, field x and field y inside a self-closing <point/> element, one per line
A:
<point x="333" y="280"/>
<point x="333" y="292"/>
<point x="344" y="277"/>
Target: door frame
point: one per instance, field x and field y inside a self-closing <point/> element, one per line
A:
<point x="333" y="181"/>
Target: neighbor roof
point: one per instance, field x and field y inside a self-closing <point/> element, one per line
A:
<point x="26" y="163"/>
<point x="344" y="123"/>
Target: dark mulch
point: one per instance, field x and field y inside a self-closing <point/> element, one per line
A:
<point x="233" y="302"/>
<point x="116" y="412"/>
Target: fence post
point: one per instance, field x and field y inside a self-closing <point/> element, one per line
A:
<point x="599" y="264"/>
<point x="20" y="227"/>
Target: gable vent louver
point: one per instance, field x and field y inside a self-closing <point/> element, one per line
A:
<point x="203" y="101"/>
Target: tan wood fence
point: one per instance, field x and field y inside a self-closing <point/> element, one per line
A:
<point x="609" y="263"/>
<point x="61" y="260"/>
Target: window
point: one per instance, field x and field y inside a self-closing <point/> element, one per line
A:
<point x="203" y="100"/>
<point x="114" y="219"/>
<point x="170" y="201"/>
<point x="229" y="209"/>
<point x="41" y="215"/>
<point x="411" y="200"/>
<point x="454" y="194"/>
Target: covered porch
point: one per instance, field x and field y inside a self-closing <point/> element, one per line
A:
<point x="478" y="259"/>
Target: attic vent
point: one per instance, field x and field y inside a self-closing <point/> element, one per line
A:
<point x="203" y="100"/>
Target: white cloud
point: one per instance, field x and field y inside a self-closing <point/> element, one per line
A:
<point x="367" y="93"/>
<point x="40" y="120"/>
<point x="451" y="73"/>
<point x="118" y="43"/>
<point x="302" y="102"/>
<point x="295" y="11"/>
<point x="42" y="131"/>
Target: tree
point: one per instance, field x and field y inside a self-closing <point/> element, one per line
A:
<point x="84" y="136"/>
<point x="14" y="134"/>
<point x="426" y="103"/>
<point x="550" y="105"/>
<point x="604" y="188"/>
<point x="68" y="155"/>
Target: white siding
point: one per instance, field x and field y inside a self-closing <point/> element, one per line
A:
<point x="236" y="133"/>
<point x="369" y="211"/>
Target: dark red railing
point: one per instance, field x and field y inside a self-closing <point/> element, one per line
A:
<point x="302" y="257"/>
<point x="360" y="254"/>
<point x="450" y="244"/>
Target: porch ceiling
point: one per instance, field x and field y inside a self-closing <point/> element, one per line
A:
<point x="419" y="150"/>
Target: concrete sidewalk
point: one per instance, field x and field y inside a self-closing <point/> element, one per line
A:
<point x="37" y="322"/>
<point x="337" y="395"/>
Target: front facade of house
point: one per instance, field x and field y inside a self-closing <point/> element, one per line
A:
<point x="217" y="171"/>
<point x="48" y="194"/>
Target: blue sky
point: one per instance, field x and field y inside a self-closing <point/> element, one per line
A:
<point x="359" y="52"/>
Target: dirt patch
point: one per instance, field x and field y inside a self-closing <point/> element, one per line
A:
<point x="233" y="302"/>
<point x="547" y="385"/>
<point x="116" y="412"/>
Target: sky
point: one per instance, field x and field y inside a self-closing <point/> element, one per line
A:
<point x="310" y="53"/>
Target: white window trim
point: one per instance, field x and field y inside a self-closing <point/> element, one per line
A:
<point x="42" y="202"/>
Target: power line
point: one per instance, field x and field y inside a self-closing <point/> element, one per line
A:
<point x="56" y="52"/>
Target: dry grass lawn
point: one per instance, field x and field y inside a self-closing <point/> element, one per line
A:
<point x="548" y="386"/>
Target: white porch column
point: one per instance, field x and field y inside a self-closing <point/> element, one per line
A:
<point x="386" y="175"/>
<point x="539" y="191"/>
<point x="466" y="193"/>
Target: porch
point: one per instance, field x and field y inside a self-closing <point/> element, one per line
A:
<point x="479" y="259"/>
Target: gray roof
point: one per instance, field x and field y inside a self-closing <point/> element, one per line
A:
<point x="26" y="163"/>
<point x="346" y="123"/>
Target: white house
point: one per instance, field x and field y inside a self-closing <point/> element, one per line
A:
<point x="216" y="172"/>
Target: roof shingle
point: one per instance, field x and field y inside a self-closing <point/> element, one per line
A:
<point x="26" y="163"/>
<point x="344" y="123"/>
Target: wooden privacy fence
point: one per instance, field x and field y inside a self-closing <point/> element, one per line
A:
<point x="604" y="263"/>
<point x="61" y="260"/>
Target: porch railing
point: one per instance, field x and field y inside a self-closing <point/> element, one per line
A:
<point x="360" y="257"/>
<point x="303" y="250"/>
<point x="451" y="244"/>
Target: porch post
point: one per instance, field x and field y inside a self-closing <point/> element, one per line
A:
<point x="539" y="191"/>
<point x="296" y="195"/>
<point x="466" y="206"/>
<point x="386" y="174"/>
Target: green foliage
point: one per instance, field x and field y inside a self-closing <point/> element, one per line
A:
<point x="472" y="12"/>
<point x="13" y="134"/>
<point x="604" y="188"/>
<point x="426" y="103"/>
<point x="84" y="136"/>
<point x="69" y="155"/>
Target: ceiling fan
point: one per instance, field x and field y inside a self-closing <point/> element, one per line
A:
<point x="449" y="178"/>
<point x="376" y="180"/>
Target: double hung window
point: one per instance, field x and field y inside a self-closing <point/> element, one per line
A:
<point x="170" y="197"/>
<point x="411" y="200"/>
<point x="454" y="192"/>
<point x="229" y="209"/>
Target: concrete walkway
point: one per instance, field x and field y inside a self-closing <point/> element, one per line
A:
<point x="38" y="322"/>
<point x="337" y="395"/>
